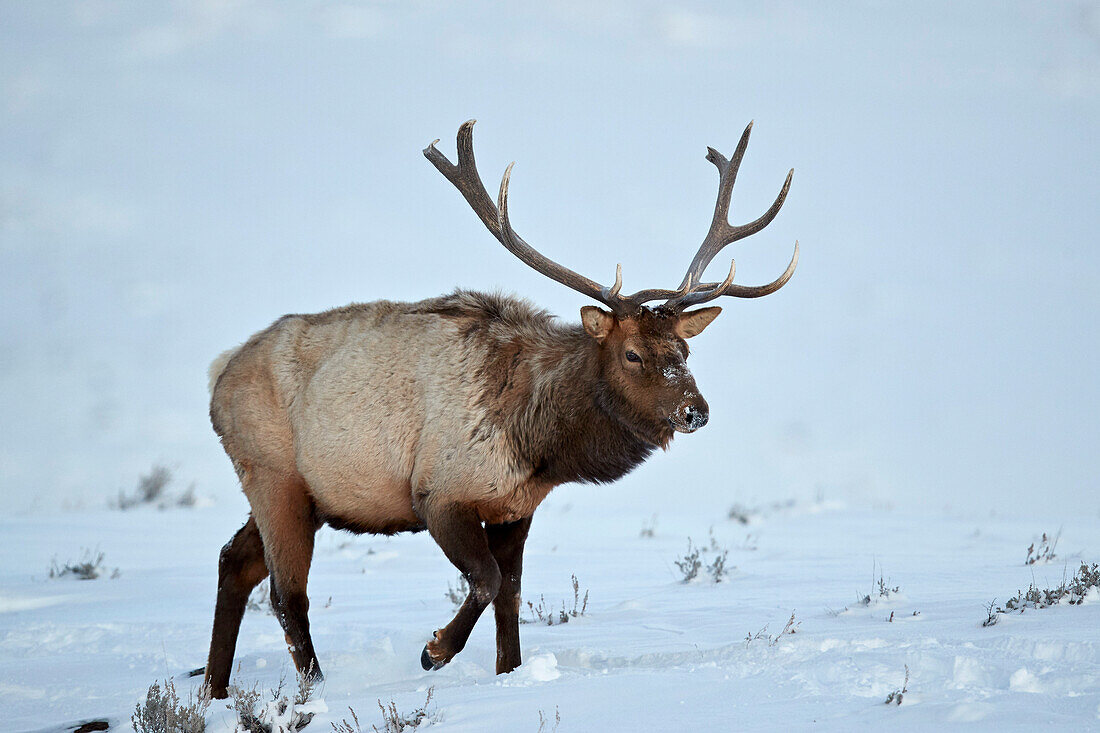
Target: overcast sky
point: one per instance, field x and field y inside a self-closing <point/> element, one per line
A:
<point x="174" y="177"/>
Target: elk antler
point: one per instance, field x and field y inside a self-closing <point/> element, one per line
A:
<point x="465" y="178"/>
<point x="722" y="233"/>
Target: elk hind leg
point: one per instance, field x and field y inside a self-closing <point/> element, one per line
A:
<point x="288" y="523"/>
<point x="241" y="567"/>
<point x="458" y="532"/>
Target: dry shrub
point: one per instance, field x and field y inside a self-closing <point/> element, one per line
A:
<point x="163" y="712"/>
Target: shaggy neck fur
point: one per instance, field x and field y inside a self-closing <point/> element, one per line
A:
<point x="542" y="385"/>
<point x="593" y="435"/>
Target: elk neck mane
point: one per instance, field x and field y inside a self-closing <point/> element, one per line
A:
<point x="541" y="384"/>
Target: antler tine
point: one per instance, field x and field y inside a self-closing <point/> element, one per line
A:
<point x="466" y="179"/>
<point x="614" y="290"/>
<point x="719" y="223"/>
<point x="727" y="175"/>
<point x="722" y="233"/>
<point x="539" y="262"/>
<point x="703" y="294"/>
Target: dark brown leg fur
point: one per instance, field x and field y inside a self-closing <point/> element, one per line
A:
<point x="278" y="537"/>
<point x="458" y="532"/>
<point x="288" y="523"/>
<point x="240" y="568"/>
<point x="506" y="543"/>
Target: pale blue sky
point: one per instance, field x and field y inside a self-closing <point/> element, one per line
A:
<point x="174" y="177"/>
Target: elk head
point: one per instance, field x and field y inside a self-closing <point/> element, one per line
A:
<point x="642" y="349"/>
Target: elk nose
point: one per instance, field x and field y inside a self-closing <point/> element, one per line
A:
<point x="696" y="417"/>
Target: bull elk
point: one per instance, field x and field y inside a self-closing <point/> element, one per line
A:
<point x="457" y="415"/>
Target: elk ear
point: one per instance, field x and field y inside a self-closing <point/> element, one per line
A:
<point x="692" y="323"/>
<point x="597" y="322"/>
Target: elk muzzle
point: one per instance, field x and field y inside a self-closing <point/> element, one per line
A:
<point x="690" y="416"/>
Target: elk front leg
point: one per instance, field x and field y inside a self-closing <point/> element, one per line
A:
<point x="506" y="543"/>
<point x="458" y="532"/>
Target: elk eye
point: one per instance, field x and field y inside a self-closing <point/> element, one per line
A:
<point x="631" y="356"/>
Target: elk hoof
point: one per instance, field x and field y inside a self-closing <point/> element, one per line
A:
<point x="429" y="664"/>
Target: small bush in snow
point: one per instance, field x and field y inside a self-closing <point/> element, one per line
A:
<point x="1044" y="553"/>
<point x="280" y="714"/>
<point x="894" y="698"/>
<point x="749" y="514"/>
<point x="741" y="513"/>
<point x="689" y="563"/>
<point x="751" y="637"/>
<point x="991" y="614"/>
<point x="577" y="598"/>
<point x="245" y="703"/>
<point x="717" y="567"/>
<point x="457" y="593"/>
<point x="89" y="567"/>
<point x="880" y="591"/>
<point x="789" y="629"/>
<point x="711" y="558"/>
<point x="163" y="712"/>
<point x="393" y="721"/>
<point x="544" y="720"/>
<point x="188" y="498"/>
<point x="1073" y="592"/>
<point x="542" y="612"/>
<point x="151" y="489"/>
<point x="344" y="726"/>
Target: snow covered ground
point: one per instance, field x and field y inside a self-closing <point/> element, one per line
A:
<point x="175" y="176"/>
<point x="650" y="653"/>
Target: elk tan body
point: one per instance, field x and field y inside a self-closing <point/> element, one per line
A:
<point x="456" y="415"/>
<point x="382" y="407"/>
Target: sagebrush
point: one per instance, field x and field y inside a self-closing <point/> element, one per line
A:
<point x="1072" y="591"/>
<point x="164" y="712"/>
<point x="711" y="558"/>
<point x="542" y="612"/>
<point x="1044" y="551"/>
<point x="895" y="697"/>
<point x="789" y="629"/>
<point x="89" y="567"/>
<point x="544" y="721"/>
<point x="393" y="720"/>
<point x="279" y="714"/>
<point x="881" y="590"/>
<point x="151" y="490"/>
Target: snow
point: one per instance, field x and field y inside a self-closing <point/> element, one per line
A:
<point x="538" y="668"/>
<point x="651" y="653"/>
<point x="178" y="175"/>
